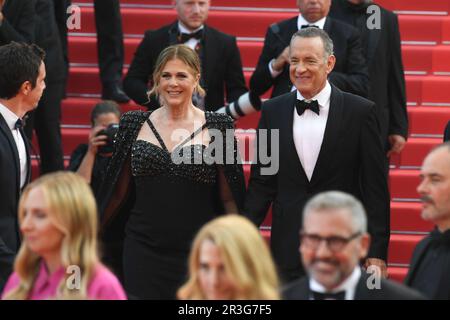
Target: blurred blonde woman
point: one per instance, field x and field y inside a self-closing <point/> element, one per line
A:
<point x="58" y="221"/>
<point x="230" y="260"/>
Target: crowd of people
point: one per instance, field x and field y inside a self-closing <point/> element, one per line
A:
<point x="156" y="205"/>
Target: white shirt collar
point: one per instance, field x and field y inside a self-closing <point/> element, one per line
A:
<point x="183" y="29"/>
<point x="348" y="285"/>
<point x="302" y="21"/>
<point x="9" y="116"/>
<point x="322" y="97"/>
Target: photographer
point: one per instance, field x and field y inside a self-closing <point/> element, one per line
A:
<point x="90" y="160"/>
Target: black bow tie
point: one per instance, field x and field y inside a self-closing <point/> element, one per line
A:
<point x="183" y="37"/>
<point x="19" y="124"/>
<point x="328" y="296"/>
<point x="304" y="26"/>
<point x="302" y="105"/>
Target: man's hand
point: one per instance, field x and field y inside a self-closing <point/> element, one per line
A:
<point x="96" y="141"/>
<point x="281" y="60"/>
<point x="1" y="7"/>
<point x="378" y="263"/>
<point x="397" y="143"/>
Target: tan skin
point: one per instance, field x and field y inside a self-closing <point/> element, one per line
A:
<point x="175" y="88"/>
<point x="1" y="7"/>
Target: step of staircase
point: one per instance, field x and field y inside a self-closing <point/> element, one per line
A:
<point x="433" y="29"/>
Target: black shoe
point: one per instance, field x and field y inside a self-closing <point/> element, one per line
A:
<point x="114" y="92"/>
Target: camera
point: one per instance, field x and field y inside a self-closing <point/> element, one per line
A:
<point x="247" y="103"/>
<point x="110" y="132"/>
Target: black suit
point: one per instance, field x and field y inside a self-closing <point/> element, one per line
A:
<point x="349" y="73"/>
<point x="108" y="23"/>
<point x="9" y="198"/>
<point x="350" y="160"/>
<point x="18" y="22"/>
<point x="382" y="49"/>
<point x="389" y="290"/>
<point x="45" y="120"/>
<point x="447" y="132"/>
<point x="221" y="66"/>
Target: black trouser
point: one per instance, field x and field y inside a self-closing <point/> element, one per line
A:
<point x="45" y="120"/>
<point x="109" y="40"/>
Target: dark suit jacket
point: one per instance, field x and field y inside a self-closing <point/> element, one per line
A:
<point x="350" y="160"/>
<point x="221" y="66"/>
<point x="48" y="38"/>
<point x="389" y="290"/>
<point x="382" y="48"/>
<point x="349" y="73"/>
<point x="18" y="22"/>
<point x="447" y="132"/>
<point x="9" y="199"/>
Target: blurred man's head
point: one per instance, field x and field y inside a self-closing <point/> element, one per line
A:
<point x="434" y="188"/>
<point x="192" y="13"/>
<point x="311" y="60"/>
<point x="22" y="74"/>
<point x="105" y="113"/>
<point x="314" y="10"/>
<point x="334" y="237"/>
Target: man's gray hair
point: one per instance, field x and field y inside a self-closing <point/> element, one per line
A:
<point x="332" y="200"/>
<point x="313" y="32"/>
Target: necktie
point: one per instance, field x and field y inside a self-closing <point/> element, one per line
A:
<point x="304" y="26"/>
<point x="183" y="37"/>
<point x="302" y="105"/>
<point x="328" y="296"/>
<point x="19" y="124"/>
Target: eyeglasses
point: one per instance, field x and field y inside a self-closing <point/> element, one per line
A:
<point x="334" y="243"/>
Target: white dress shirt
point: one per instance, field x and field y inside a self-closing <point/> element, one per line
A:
<point x="349" y="285"/>
<point x="300" y="22"/>
<point x="11" y="119"/>
<point x="309" y="128"/>
<point x="192" y="43"/>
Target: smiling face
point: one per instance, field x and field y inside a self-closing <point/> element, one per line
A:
<point x="39" y="231"/>
<point x="214" y="279"/>
<point x="434" y="188"/>
<point x="330" y="268"/>
<point x="177" y="83"/>
<point x="192" y="13"/>
<point x="309" y="68"/>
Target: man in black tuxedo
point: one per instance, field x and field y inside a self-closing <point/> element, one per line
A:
<point x="328" y="140"/>
<point x="22" y="75"/>
<point x="382" y="50"/>
<point x="219" y="55"/>
<point x="334" y="239"/>
<point x="350" y="71"/>
<point x="46" y="120"/>
<point x="429" y="270"/>
<point x="16" y="21"/>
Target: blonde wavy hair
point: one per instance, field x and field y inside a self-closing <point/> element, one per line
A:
<point x="73" y="210"/>
<point x="246" y="258"/>
<point x="183" y="53"/>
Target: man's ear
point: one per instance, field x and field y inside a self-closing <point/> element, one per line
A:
<point x="365" y="245"/>
<point x="331" y="61"/>
<point x="26" y="88"/>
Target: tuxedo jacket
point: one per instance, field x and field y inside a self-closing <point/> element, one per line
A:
<point x="382" y="48"/>
<point x="389" y="290"/>
<point x="349" y="73"/>
<point x="18" y="22"/>
<point x="221" y="66"/>
<point x="350" y="160"/>
<point x="9" y="198"/>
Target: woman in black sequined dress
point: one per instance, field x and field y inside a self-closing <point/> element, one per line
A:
<point x="166" y="179"/>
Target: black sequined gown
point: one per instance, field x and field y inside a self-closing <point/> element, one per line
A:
<point x="172" y="202"/>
